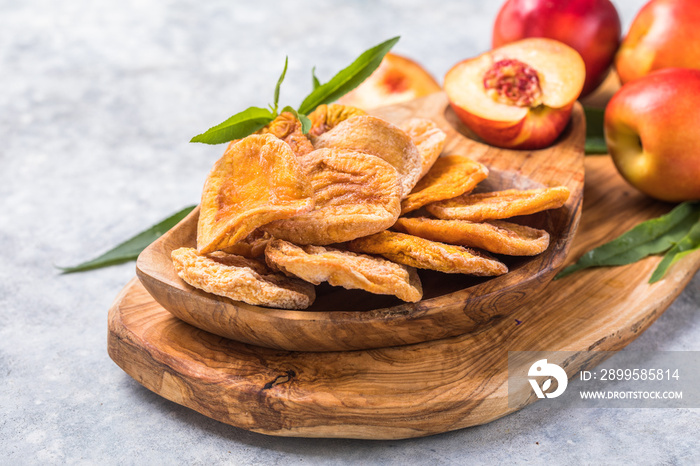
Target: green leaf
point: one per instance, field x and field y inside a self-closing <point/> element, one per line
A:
<point x="595" y="134"/>
<point x="314" y="80"/>
<point x="130" y="249"/>
<point x="238" y="126"/>
<point x="689" y="243"/>
<point x="279" y="84"/>
<point x="651" y="237"/>
<point x="305" y="122"/>
<point x="348" y="78"/>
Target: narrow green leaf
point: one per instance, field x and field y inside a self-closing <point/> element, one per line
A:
<point x="595" y="134"/>
<point x="130" y="249"/>
<point x="689" y="243"/>
<point x="314" y="80"/>
<point x="348" y="78"/>
<point x="238" y="126"/>
<point x="290" y="109"/>
<point x="305" y="122"/>
<point x="279" y="84"/>
<point x="651" y="237"/>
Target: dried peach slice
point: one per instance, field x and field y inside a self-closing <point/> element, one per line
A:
<point x="450" y="176"/>
<point x="497" y="236"/>
<point x="428" y="138"/>
<point x="327" y="117"/>
<point x="355" y="195"/>
<point x="318" y="264"/>
<point x="251" y="246"/>
<point x="241" y="279"/>
<point x="257" y="180"/>
<point x="378" y="137"/>
<point x="287" y="128"/>
<point x="425" y="254"/>
<point x="500" y="204"/>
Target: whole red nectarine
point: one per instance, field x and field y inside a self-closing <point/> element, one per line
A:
<point x="591" y="27"/>
<point x="652" y="131"/>
<point x="518" y="96"/>
<point x="664" y="34"/>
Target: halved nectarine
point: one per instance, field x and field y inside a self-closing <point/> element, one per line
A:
<point x="520" y="95"/>
<point x="592" y="27"/>
<point x="398" y="79"/>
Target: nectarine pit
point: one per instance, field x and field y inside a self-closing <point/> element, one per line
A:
<point x="513" y="82"/>
<point x="396" y="81"/>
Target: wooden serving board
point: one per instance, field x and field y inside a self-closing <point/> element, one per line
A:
<point x="452" y="304"/>
<point x="406" y="391"/>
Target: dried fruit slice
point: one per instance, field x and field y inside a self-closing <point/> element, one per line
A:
<point x="355" y="195"/>
<point x="451" y="176"/>
<point x="287" y="128"/>
<point x="428" y="138"/>
<point x="251" y="246"/>
<point x="257" y="180"/>
<point x="425" y="254"/>
<point x="497" y="236"/>
<point x="317" y="264"/>
<point x="375" y="136"/>
<point x="500" y="204"/>
<point x="241" y="279"/>
<point x="327" y="117"/>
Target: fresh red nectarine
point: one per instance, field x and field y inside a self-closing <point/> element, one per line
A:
<point x="664" y="34"/>
<point x="591" y="27"/>
<point x="517" y="96"/>
<point x="398" y="79"/>
<point x="651" y="128"/>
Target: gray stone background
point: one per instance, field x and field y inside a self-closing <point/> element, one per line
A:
<point x="98" y="100"/>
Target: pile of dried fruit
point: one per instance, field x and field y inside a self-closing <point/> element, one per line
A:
<point x="282" y="210"/>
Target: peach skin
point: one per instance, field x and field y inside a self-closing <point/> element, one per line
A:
<point x="664" y="34"/>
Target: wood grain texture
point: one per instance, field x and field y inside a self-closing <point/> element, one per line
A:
<point x="413" y="390"/>
<point x="452" y="304"/>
